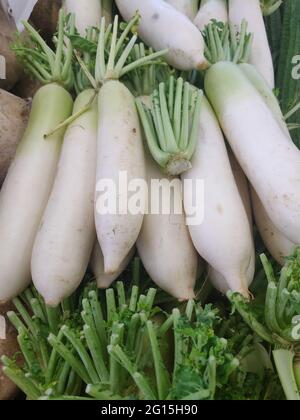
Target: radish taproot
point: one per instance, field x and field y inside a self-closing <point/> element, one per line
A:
<point x="187" y="7"/>
<point x="211" y="10"/>
<point x="243" y="187"/>
<point x="32" y="173"/>
<point x="279" y="247"/>
<point x="165" y="245"/>
<point x="184" y="42"/>
<point x="119" y="145"/>
<point x="14" y="114"/>
<point x="64" y="243"/>
<point x="273" y="167"/>
<point x="261" y="56"/>
<point x="224" y="237"/>
<point x="104" y="281"/>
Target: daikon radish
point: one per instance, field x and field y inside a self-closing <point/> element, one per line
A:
<point x="120" y="149"/>
<point x="165" y="245"/>
<point x="261" y="56"/>
<point x="278" y="246"/>
<point x="66" y="235"/>
<point x="161" y="26"/>
<point x="265" y="152"/>
<point x="104" y="281"/>
<point x="29" y="181"/>
<point x="224" y="238"/>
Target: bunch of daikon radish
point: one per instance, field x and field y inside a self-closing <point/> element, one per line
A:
<point x="50" y="226"/>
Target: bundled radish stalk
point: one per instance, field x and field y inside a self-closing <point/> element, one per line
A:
<point x="278" y="246"/>
<point x="211" y="10"/>
<point x="247" y="121"/>
<point x="27" y="187"/>
<point x="13" y="120"/>
<point x="171" y="125"/>
<point x="261" y="56"/>
<point x="104" y="281"/>
<point x="120" y="147"/>
<point x="187" y="7"/>
<point x="162" y="26"/>
<point x="87" y="13"/>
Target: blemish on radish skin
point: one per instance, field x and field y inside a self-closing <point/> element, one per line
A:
<point x="220" y="209"/>
<point x="155" y="16"/>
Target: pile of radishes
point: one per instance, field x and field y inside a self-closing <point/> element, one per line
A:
<point x="51" y="229"/>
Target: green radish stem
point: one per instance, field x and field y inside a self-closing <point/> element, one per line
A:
<point x="284" y="361"/>
<point x="171" y="124"/>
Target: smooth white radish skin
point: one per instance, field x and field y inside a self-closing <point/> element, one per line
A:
<point x="261" y="56"/>
<point x="266" y="93"/>
<point x="266" y="154"/>
<point x="224" y="238"/>
<point x="278" y="245"/>
<point x="188" y="7"/>
<point x="120" y="149"/>
<point x="66" y="236"/>
<point x="165" y="247"/>
<point x="27" y="187"/>
<point x="209" y="10"/>
<point x="104" y="281"/>
<point x="87" y="13"/>
<point x="243" y="187"/>
<point x="163" y="27"/>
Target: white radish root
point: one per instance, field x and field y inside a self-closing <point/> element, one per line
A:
<point x="224" y="238"/>
<point x="165" y="245"/>
<point x="120" y="152"/>
<point x="66" y="236"/>
<point x="163" y="27"/>
<point x="104" y="281"/>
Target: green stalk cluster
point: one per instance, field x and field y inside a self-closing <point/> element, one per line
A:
<point x="41" y="61"/>
<point x="43" y="370"/>
<point x="108" y="56"/>
<point x="143" y="80"/>
<point x="279" y="324"/>
<point x="117" y="346"/>
<point x="171" y="124"/>
<point x="224" y="43"/>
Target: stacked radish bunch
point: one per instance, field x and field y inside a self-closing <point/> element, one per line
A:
<point x="50" y="223"/>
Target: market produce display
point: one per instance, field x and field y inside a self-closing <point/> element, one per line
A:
<point x="150" y="200"/>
